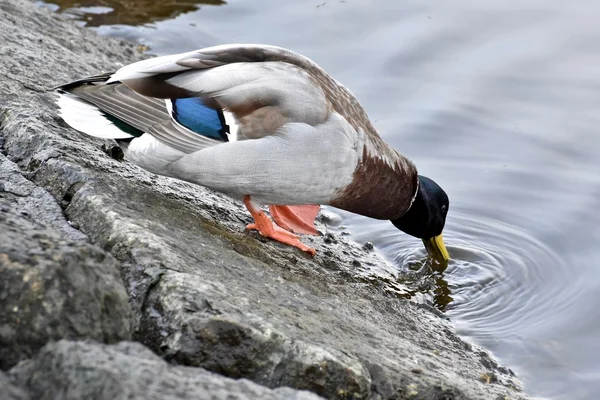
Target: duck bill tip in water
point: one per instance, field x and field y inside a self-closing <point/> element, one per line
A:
<point x="435" y="248"/>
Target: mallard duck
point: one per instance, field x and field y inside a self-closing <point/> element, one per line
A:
<point x="262" y="124"/>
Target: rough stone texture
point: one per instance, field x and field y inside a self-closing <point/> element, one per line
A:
<point x="33" y="201"/>
<point x="83" y="370"/>
<point x="10" y="391"/>
<point x="203" y="292"/>
<point x="51" y="287"/>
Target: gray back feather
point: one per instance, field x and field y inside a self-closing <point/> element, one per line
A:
<point x="246" y="78"/>
<point x="340" y="98"/>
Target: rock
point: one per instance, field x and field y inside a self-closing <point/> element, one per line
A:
<point x="204" y="293"/>
<point x="9" y="391"/>
<point x="34" y="201"/>
<point x="54" y="288"/>
<point x="84" y="370"/>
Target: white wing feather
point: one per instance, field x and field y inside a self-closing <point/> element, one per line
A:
<point x="85" y="117"/>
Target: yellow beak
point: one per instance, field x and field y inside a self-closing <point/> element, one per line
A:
<point x="435" y="248"/>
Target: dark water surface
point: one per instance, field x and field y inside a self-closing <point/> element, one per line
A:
<point x="499" y="102"/>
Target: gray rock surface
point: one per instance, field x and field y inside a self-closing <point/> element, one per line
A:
<point x="51" y="287"/>
<point x="84" y="370"/>
<point x="10" y="391"/>
<point x="203" y="292"/>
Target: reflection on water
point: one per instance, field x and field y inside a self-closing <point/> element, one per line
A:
<point x="127" y="12"/>
<point x="499" y="103"/>
<point x="425" y="278"/>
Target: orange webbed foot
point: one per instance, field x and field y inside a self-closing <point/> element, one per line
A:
<point x="266" y="228"/>
<point x="296" y="219"/>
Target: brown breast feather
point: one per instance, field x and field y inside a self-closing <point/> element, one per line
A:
<point x="379" y="189"/>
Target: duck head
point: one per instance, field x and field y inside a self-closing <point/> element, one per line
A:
<point x="426" y="217"/>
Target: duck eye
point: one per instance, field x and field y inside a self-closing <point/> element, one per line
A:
<point x="444" y="208"/>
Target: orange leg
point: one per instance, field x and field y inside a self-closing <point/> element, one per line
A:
<point x="266" y="228"/>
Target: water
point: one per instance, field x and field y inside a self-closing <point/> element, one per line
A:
<point x="500" y="104"/>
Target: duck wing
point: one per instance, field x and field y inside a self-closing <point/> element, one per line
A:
<point x="264" y="87"/>
<point x="118" y="112"/>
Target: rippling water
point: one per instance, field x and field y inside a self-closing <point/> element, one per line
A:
<point x="499" y="103"/>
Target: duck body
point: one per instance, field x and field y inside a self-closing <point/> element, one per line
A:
<point x="258" y="123"/>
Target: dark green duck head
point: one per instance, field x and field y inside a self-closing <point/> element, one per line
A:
<point x="426" y="217"/>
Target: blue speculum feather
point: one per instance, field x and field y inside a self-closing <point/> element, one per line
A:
<point x="194" y="114"/>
